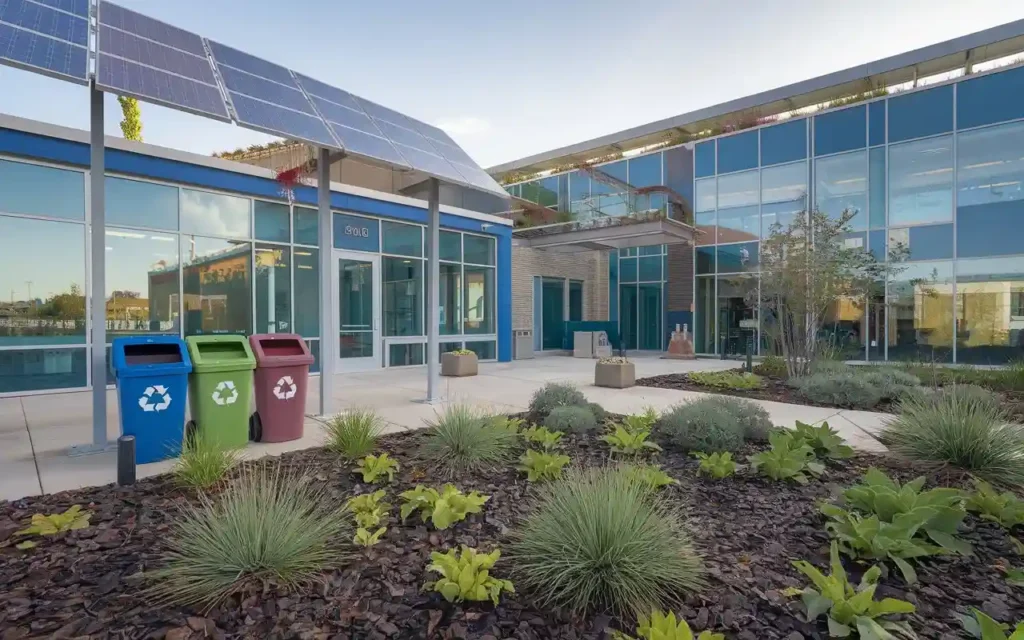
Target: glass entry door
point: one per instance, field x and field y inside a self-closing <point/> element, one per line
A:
<point x="357" y="305"/>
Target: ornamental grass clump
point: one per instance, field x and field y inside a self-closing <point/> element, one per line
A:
<point x="353" y="434"/>
<point x="601" y="541"/>
<point x="203" y="462"/>
<point x="959" y="429"/>
<point x="462" y="438"/>
<point x="266" y="525"/>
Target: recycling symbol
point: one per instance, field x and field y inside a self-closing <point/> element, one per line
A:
<point x="225" y="393"/>
<point x="285" y="388"/>
<point x="148" y="404"/>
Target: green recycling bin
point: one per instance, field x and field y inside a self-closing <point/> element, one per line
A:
<point x="220" y="388"/>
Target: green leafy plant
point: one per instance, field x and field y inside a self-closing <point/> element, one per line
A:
<point x="49" y="525"/>
<point x="443" y="508"/>
<point x="541" y="465"/>
<point x="354" y="433"/>
<point x="650" y="476"/>
<point x="870" y="538"/>
<point x="220" y="546"/>
<point x="1015" y="577"/>
<point x="1004" y="508"/>
<point x="601" y="540"/>
<point x="466" y="576"/>
<point x="771" y="367"/>
<point x="979" y="625"/>
<point x="374" y="468"/>
<point x="512" y="425"/>
<point x="702" y="425"/>
<point x="726" y="379"/>
<point x="556" y="394"/>
<point x="787" y="459"/>
<point x="369" y="509"/>
<point x="661" y="626"/>
<point x="203" y="462"/>
<point x="547" y="439"/>
<point x="572" y="419"/>
<point x="364" y="538"/>
<point x="463" y="438"/>
<point x="627" y="442"/>
<point x="716" y="465"/>
<point x="635" y="423"/>
<point x="839" y="389"/>
<point x="851" y="609"/>
<point x="824" y="440"/>
<point x="461" y="352"/>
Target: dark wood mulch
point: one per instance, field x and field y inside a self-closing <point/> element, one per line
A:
<point x="749" y="530"/>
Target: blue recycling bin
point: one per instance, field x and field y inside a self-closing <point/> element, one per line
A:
<point x="152" y="380"/>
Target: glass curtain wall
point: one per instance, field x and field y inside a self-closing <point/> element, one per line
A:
<point x="641" y="274"/>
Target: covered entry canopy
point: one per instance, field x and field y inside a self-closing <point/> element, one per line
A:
<point x="598" y="234"/>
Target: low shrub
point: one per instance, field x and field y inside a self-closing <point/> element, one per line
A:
<point x="556" y="394"/>
<point x="716" y="465"/>
<point x="890" y="381"/>
<point x="789" y="458"/>
<point x="754" y="420"/>
<point x="830" y="367"/>
<point x="599" y="413"/>
<point x="974" y="393"/>
<point x="353" y="433"/>
<point x="220" y="546"/>
<point x="466" y="576"/>
<point x="701" y="425"/>
<point x="443" y="508"/>
<point x="841" y="389"/>
<point x="868" y="538"/>
<point x="960" y="429"/>
<point x="772" y="367"/>
<point x="463" y="438"/>
<point x="726" y="379"/>
<point x="661" y="626"/>
<point x="571" y="419"/>
<point x="600" y="541"/>
<point x="203" y="462"/>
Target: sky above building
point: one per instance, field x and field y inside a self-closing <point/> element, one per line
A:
<point x="507" y="81"/>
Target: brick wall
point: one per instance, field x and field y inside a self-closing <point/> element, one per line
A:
<point x="680" y="278"/>
<point x="589" y="266"/>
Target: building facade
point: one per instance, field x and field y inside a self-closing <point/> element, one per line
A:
<point x="934" y="165"/>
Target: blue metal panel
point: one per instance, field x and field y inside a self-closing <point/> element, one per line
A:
<point x="921" y="114"/>
<point x="841" y="130"/>
<point x="989" y="99"/>
<point x="876" y="123"/>
<point x="737" y="152"/>
<point x="785" y="142"/>
<point x="132" y="22"/>
<point x="704" y="163"/>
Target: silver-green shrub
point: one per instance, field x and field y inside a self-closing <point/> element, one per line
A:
<point x="843" y="389"/>
<point x="571" y="419"/>
<point x="556" y="394"/>
<point x="702" y="425"/>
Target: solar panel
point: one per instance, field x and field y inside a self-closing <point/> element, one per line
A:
<point x="150" y="29"/>
<point x="275" y="120"/>
<point x="242" y="61"/>
<point x="78" y="7"/>
<point x="149" y="53"/>
<point x="152" y="85"/>
<point x="45" y="40"/>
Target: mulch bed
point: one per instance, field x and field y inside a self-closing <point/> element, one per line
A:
<point x="749" y="529"/>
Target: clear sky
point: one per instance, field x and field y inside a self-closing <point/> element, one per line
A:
<point x="510" y="80"/>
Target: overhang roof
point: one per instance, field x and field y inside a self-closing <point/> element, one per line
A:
<point x="605" y="233"/>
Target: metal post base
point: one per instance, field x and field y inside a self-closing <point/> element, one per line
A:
<point x="91" y="448"/>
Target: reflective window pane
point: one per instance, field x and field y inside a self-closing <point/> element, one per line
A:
<point x="402" y="239"/>
<point x="36" y="190"/>
<point x="705" y="260"/>
<point x="736" y="258"/>
<point x="141" y="204"/>
<point x="479" y="300"/>
<point x="40" y="369"/>
<point x="704" y="337"/>
<point x="614" y="169"/>
<point x="784" y="142"/>
<point x="841" y="185"/>
<point x="42" y="280"/>
<point x="314" y="350"/>
<point x="990" y="310"/>
<point x="271" y="221"/>
<point x="645" y="171"/>
<point x="142" y="282"/>
<point x="844" y="327"/>
<point x="876" y="186"/>
<point x="405" y="355"/>
<point x="649" y="269"/>
<point x="704" y="161"/>
<point x="479" y="250"/>
<point x="450" y="286"/>
<point x="307" y="292"/>
<point x="214" y="214"/>
<point x="737" y="152"/>
<point x="273" y="289"/>
<point x="921" y="181"/>
<point x="990" y="196"/>
<point x="840" y="130"/>
<point x="739" y="224"/>
<point x="305" y="224"/>
<point x="627" y="269"/>
<point x="876" y="122"/>
<point x="921" y="113"/>
<point x="990" y="99"/>
<point x="649" y="316"/>
<point x="575" y="301"/>
<point x="706" y="198"/>
<point x="932" y="242"/>
<point x="737" y="318"/>
<point x="450" y="248"/>
<point x="783" y="194"/>
<point x="877" y="244"/>
<point x="483" y="350"/>
<point x="738" y="190"/>
<point x="579" y="186"/>
<point x="217" y="290"/>
<point x="547" y="192"/>
<point x="920" y="315"/>
<point x="402" y="281"/>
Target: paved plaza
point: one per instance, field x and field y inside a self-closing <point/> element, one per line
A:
<point x="36" y="432"/>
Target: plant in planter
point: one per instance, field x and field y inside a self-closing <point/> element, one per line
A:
<point x="615" y="372"/>
<point x="459" y="363"/>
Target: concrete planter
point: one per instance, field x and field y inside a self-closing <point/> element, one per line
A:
<point x="615" y="375"/>
<point x="458" y="366"/>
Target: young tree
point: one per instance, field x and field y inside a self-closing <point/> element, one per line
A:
<point x="131" y="125"/>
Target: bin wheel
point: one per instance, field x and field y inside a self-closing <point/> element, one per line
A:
<point x="255" y="428"/>
<point x="191" y="431"/>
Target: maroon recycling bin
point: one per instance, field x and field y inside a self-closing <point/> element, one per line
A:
<point x="281" y="378"/>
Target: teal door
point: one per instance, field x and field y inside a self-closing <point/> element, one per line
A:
<point x="553" y="313"/>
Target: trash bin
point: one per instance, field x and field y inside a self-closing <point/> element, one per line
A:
<point x="282" y="374"/>
<point x="220" y="387"/>
<point x="152" y="379"/>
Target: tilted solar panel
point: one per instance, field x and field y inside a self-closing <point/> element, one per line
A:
<point x="45" y="40"/>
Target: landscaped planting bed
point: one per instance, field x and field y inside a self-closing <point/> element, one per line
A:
<point x="747" y="528"/>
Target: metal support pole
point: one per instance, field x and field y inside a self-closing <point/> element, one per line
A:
<point x="98" y="280"/>
<point x="328" y="336"/>
<point x="433" y="295"/>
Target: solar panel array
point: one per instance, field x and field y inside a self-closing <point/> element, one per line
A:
<point x="50" y="37"/>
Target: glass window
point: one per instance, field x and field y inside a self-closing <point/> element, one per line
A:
<point x="841" y="183"/>
<point x="356" y="233"/>
<point x="737" y="152"/>
<point x="679" y="171"/>
<point x="990" y="310"/>
<point x="271" y="221"/>
<point x="627" y="269"/>
<point x="563" y="192"/>
<point x="920" y="315"/>
<point x="273" y="289"/>
<point x="844" y="327"/>
<point x="40" y="369"/>
<point x="841" y="130"/>
<point x="483" y="350"/>
<point x="579" y="186"/>
<point x="450" y="246"/>
<point x="142" y="282"/>
<point x="990" y="196"/>
<point x="450" y="292"/>
<point x="705" y="260"/>
<point x="42" y="277"/>
<point x="921" y="113"/>
<point x="855" y="240"/>
<point x="547" y="192"/>
<point x="36" y="190"/>
<point x="402" y="281"/>
<point x="876" y="123"/>
<point x="404" y="355"/>
<point x="552" y="308"/>
<point x="784" y="142"/>
<point x="402" y="239"/>
<point x="704" y="338"/>
<point x="217" y="290"/>
<point x="479" y="300"/>
<point x="739" y="224"/>
<point x="649" y="269"/>
<point x="479" y="249"/>
<point x="628" y="317"/>
<point x="306" y="226"/>
<point x="141" y="204"/>
<point x="531" y="191"/>
<point x="652" y="250"/>
<point x="706" y="194"/>
<point x="645" y="171"/>
<point x="615" y="170"/>
<point x="447" y="347"/>
<point x="314" y="350"/>
<point x="737" y="318"/>
<point x="704" y="162"/>
<point x="921" y="181"/>
<point x="307" y="292"/>
<point x="706" y="226"/>
<point x="932" y="242"/>
<point x="783" y="194"/>
<point x="628" y="252"/>
<point x="214" y="214"/>
<point x="876" y="187"/>
<point x="737" y="258"/>
<point x="990" y="99"/>
<point x="575" y="301"/>
<point x="738" y="190"/>
<point x="877" y="246"/>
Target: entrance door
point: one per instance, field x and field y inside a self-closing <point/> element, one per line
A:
<point x="357" y="304"/>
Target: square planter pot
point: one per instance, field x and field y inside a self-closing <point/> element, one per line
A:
<point x="616" y="376"/>
<point x="455" y="365"/>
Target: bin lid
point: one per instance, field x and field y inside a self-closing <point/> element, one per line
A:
<point x="139" y="356"/>
<point x="227" y="352"/>
<point x="280" y="350"/>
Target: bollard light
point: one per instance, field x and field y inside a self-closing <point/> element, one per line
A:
<point x="126" y="461"/>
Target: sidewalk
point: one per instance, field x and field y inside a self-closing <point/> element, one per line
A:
<point x="37" y="431"/>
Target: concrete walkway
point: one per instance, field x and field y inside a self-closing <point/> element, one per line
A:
<point x="37" y="431"/>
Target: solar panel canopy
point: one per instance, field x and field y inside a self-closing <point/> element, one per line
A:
<point x="48" y="37"/>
